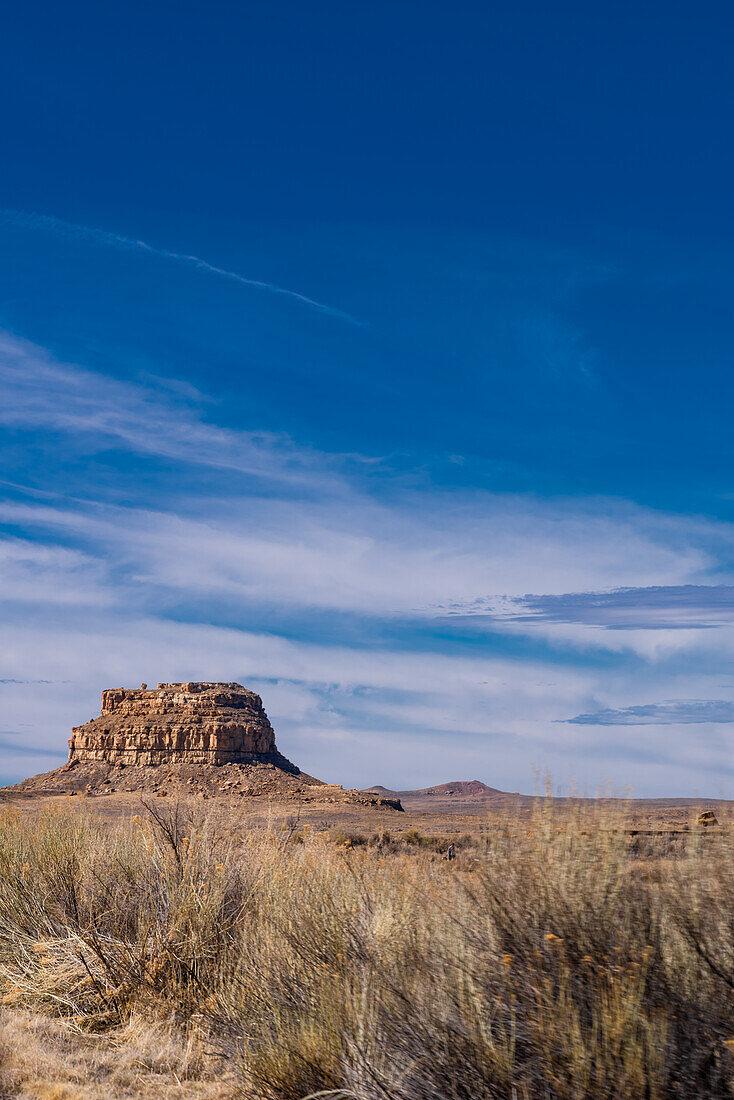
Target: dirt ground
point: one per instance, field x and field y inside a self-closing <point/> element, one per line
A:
<point x="428" y="814"/>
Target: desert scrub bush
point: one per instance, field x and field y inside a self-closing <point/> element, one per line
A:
<point x="347" y="838"/>
<point x="434" y="843"/>
<point x="561" y="967"/>
<point x="555" y="970"/>
<point x="94" y="920"/>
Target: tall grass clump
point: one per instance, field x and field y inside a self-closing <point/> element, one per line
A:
<point x="552" y="961"/>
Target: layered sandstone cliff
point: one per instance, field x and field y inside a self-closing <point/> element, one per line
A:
<point x="191" y="723"/>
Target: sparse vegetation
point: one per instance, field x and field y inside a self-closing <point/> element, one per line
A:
<point x="551" y="959"/>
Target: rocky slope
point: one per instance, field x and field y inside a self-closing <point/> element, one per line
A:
<point x="261" y="781"/>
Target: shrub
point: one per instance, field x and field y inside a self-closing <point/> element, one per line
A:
<point x="564" y="966"/>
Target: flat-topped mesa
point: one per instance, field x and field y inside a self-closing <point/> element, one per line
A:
<point x="187" y="723"/>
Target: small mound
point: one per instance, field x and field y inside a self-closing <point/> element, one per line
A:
<point x="461" y="787"/>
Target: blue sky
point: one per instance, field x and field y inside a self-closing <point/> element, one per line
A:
<point x="380" y="359"/>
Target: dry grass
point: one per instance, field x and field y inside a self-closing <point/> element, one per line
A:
<point x="548" y="960"/>
<point x="46" y="1058"/>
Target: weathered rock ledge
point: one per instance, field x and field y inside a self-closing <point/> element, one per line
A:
<point x="188" y="723"/>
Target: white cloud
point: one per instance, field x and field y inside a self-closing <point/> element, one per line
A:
<point x="422" y="554"/>
<point x="85" y="591"/>
<point x="43" y="575"/>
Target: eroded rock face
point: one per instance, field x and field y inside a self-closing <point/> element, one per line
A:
<point x="177" y="723"/>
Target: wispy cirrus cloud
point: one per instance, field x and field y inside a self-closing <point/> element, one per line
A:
<point x="677" y="712"/>
<point x="50" y="575"/>
<point x="652" y="607"/>
<point x="72" y="230"/>
<point x="39" y="392"/>
<point x="665" y="607"/>
<point x="349" y="553"/>
<point x="307" y="530"/>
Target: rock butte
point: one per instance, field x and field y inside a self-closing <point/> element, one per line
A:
<point x="188" y="723"/>
<point x="172" y="739"/>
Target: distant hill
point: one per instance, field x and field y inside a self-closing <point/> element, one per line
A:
<point x="472" y="796"/>
<point x="457" y="788"/>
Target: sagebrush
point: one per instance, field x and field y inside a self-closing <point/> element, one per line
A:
<point x="550" y="959"/>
